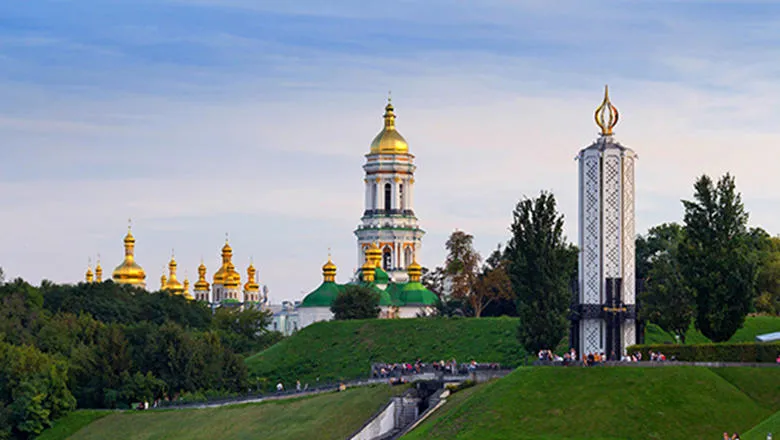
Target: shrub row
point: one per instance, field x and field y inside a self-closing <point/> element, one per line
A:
<point x="740" y="352"/>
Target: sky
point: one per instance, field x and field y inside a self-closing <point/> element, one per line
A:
<point x="198" y="118"/>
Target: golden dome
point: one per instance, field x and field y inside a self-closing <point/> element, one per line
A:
<point x="187" y="289"/>
<point x="88" y="276"/>
<point x="202" y="284"/>
<point x="99" y="271"/>
<point x="329" y="271"/>
<point x="232" y="278"/>
<point x="415" y="271"/>
<point x="173" y="285"/>
<point x="374" y="255"/>
<point x="129" y="272"/>
<point x="251" y="282"/>
<point x="163" y="281"/>
<point x="389" y="140"/>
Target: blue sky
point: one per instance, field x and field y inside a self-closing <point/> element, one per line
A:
<point x="200" y="117"/>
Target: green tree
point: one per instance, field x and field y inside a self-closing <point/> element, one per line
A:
<point x="767" y="299"/>
<point x="461" y="269"/>
<point x="541" y="268"/>
<point x="244" y="331"/>
<point x="493" y="285"/>
<point x="356" y="302"/>
<point x="667" y="300"/>
<point x="716" y="259"/>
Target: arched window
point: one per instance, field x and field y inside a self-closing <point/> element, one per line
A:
<point x="401" y="196"/>
<point x="388" y="196"/>
<point x="387" y="259"/>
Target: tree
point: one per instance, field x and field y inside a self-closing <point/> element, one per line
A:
<point x="356" y="302"/>
<point x="716" y="259"/>
<point x="541" y="267"/>
<point x="493" y="284"/>
<point x="462" y="268"/>
<point x="667" y="301"/>
<point x="244" y="331"/>
<point x="768" y="278"/>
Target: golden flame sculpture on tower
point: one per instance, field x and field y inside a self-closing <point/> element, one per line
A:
<point x="606" y="115"/>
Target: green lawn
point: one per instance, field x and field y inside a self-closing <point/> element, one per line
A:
<point x="68" y="425"/>
<point x="327" y="416"/>
<point x="770" y="424"/>
<point x="754" y="326"/>
<point x="607" y="403"/>
<point x="339" y="350"/>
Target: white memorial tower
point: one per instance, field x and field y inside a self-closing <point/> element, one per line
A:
<point x="604" y="318"/>
<point x="389" y="220"/>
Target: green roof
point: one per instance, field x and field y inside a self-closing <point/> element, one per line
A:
<point x="394" y="290"/>
<point x="414" y="293"/>
<point x="323" y="295"/>
<point x="380" y="276"/>
<point x="384" y="297"/>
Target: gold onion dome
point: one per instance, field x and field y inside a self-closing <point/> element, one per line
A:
<point x="606" y="115"/>
<point x="415" y="271"/>
<point x="232" y="278"/>
<point x="251" y="282"/>
<point x="129" y="272"/>
<point x="329" y="271"/>
<point x="220" y="276"/>
<point x="202" y="284"/>
<point x="173" y="284"/>
<point x="99" y="271"/>
<point x="88" y="277"/>
<point x="374" y="255"/>
<point x="389" y="140"/>
<point x="368" y="271"/>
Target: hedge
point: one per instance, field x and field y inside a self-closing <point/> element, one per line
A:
<point x="725" y="352"/>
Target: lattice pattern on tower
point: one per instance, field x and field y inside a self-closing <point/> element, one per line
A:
<point x="612" y="218"/>
<point x="591" y="329"/>
<point x="629" y="333"/>
<point x="629" y="247"/>
<point x="591" y="244"/>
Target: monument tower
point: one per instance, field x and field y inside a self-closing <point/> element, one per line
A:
<point x="389" y="221"/>
<point x="604" y="318"/>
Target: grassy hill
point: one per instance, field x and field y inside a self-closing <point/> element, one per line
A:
<point x="326" y="416"/>
<point x="754" y="326"/>
<point x="338" y="350"/>
<point x="758" y="432"/>
<point x="610" y="403"/>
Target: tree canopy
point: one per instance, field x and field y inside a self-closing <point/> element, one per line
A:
<point x="356" y="302"/>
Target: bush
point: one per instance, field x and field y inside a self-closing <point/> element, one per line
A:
<point x="741" y="352"/>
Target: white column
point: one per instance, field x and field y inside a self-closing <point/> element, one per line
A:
<point x="410" y="194"/>
<point x="368" y="194"/>
<point x="394" y="192"/>
<point x="380" y="195"/>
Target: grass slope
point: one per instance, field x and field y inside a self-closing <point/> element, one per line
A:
<point x="73" y="422"/>
<point x="327" y="416"/>
<point x="604" y="403"/>
<point x="754" y="326"/>
<point x="339" y="350"/>
<point x="759" y="432"/>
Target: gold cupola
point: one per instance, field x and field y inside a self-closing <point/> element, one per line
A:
<point x="606" y="115"/>
<point x="368" y="271"/>
<point x="251" y="285"/>
<point x="221" y="275"/>
<point x="202" y="284"/>
<point x="129" y="272"/>
<point x="173" y="285"/>
<point x="186" y="292"/>
<point x="374" y="255"/>
<point x="389" y="140"/>
<point x="329" y="271"/>
<point x="89" y="277"/>
<point x="415" y="271"/>
<point x="163" y="280"/>
<point x="98" y="271"/>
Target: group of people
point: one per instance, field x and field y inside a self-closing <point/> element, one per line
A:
<point x="595" y="358"/>
<point x="385" y="370"/>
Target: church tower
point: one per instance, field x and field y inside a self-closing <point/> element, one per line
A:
<point x="604" y="318"/>
<point x="388" y="219"/>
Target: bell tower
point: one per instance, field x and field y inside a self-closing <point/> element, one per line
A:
<point x="389" y="220"/>
<point x="604" y="318"/>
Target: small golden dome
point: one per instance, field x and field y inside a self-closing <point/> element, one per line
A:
<point x="368" y="271"/>
<point x="99" y="272"/>
<point x="329" y="271"/>
<point x="173" y="285"/>
<point x="163" y="281"/>
<point x="415" y="271"/>
<point x="232" y="278"/>
<point x="374" y="255"/>
<point x="202" y="284"/>
<point x="88" y="277"/>
<point x="389" y="140"/>
<point x="251" y="282"/>
<point x="129" y="272"/>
